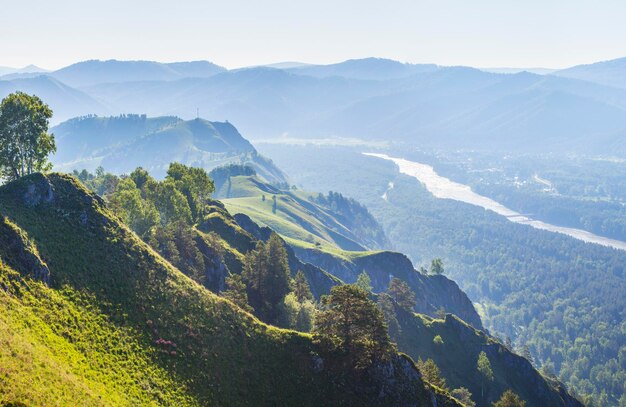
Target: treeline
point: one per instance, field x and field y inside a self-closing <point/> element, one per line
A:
<point x="355" y="217"/>
<point x="221" y="175"/>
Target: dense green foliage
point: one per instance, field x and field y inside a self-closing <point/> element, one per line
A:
<point x="509" y="399"/>
<point x="24" y="140"/>
<point x="266" y="273"/>
<point x="562" y="298"/>
<point x="402" y="294"/>
<point x="350" y="323"/>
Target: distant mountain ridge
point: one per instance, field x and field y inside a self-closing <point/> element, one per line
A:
<point x="122" y="143"/>
<point x="582" y="109"/>
<point x="609" y="73"/>
<point x="92" y="72"/>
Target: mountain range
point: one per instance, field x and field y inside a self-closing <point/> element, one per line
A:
<point x="580" y="109"/>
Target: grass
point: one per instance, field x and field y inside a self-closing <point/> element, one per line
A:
<point x="296" y="217"/>
<point x="121" y="326"/>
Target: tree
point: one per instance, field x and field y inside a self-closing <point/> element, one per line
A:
<point x="402" y="294"/>
<point x="436" y="266"/>
<point x="298" y="315"/>
<point x="194" y="184"/>
<point x="509" y="399"/>
<point x="176" y="242"/>
<point x="24" y="140"/>
<point x="137" y="213"/>
<point x="171" y="203"/>
<point x="266" y="273"/>
<point x="236" y="292"/>
<point x="484" y="368"/>
<point x="430" y="372"/>
<point x="351" y="324"/>
<point x="301" y="287"/>
<point x="464" y="396"/>
<point x="364" y="281"/>
<point x="385" y="303"/>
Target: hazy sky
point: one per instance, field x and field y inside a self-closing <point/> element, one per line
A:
<point x="234" y="33"/>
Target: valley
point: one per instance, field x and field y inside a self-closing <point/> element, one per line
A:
<point x="443" y="188"/>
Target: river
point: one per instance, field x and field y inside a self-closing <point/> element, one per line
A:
<point x="445" y="188"/>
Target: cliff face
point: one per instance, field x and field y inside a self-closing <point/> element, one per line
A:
<point x="319" y="280"/>
<point x="433" y="292"/>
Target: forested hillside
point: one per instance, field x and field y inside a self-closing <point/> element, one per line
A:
<point x="560" y="297"/>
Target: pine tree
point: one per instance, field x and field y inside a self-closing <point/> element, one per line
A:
<point x="484" y="368"/>
<point x="364" y="282"/>
<point x="266" y="273"/>
<point x="352" y="324"/>
<point x="402" y="294"/>
<point x="385" y="303"/>
<point x="509" y="399"/>
<point x="430" y="372"/>
<point x="236" y="292"/>
<point x="301" y="287"/>
<point x="464" y="396"/>
<point x="436" y="266"/>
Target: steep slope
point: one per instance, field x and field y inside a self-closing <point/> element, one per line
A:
<point x="238" y="235"/>
<point x="313" y="234"/>
<point x="457" y="356"/>
<point x="110" y="292"/>
<point x="561" y="297"/>
<point x="120" y="144"/>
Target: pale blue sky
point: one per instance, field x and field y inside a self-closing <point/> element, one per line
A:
<point x="234" y="33"/>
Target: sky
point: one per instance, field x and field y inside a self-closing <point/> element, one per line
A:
<point x="236" y="33"/>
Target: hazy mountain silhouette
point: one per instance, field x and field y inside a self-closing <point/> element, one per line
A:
<point x="610" y="73"/>
<point x="112" y="71"/>
<point x="451" y="107"/>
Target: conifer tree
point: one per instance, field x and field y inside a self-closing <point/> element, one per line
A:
<point x="236" y="292"/>
<point x="509" y="399"/>
<point x="266" y="273"/>
<point x="301" y="287"/>
<point x="484" y="368"/>
<point x="364" y="282"/>
<point x="402" y="294"/>
<point x="352" y="324"/>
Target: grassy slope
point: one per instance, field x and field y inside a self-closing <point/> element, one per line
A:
<point x="296" y="217"/>
<point x="112" y="303"/>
